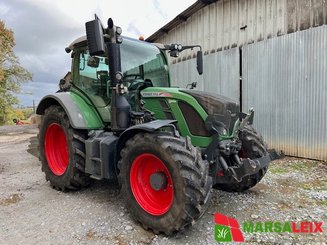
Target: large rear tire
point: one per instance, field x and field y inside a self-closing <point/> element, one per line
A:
<point x="180" y="190"/>
<point x="253" y="146"/>
<point x="62" y="151"/>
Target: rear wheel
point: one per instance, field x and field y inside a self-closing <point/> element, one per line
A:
<point x="253" y="146"/>
<point x="164" y="180"/>
<point x="62" y="151"/>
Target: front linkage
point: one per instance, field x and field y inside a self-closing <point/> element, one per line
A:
<point x="223" y="153"/>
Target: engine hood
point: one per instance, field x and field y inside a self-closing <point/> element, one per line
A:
<point x="214" y="103"/>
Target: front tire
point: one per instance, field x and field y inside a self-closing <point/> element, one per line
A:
<point x="180" y="192"/>
<point x="62" y="151"/>
<point x="253" y="146"/>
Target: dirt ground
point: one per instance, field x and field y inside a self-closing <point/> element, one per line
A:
<point x="31" y="212"/>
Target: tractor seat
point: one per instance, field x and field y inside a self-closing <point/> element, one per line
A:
<point x="139" y="84"/>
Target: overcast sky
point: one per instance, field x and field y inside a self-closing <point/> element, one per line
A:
<point x="43" y="28"/>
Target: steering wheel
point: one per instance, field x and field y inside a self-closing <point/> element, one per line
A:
<point x="131" y="79"/>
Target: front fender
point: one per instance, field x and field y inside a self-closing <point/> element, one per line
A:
<point x="145" y="127"/>
<point x="81" y="114"/>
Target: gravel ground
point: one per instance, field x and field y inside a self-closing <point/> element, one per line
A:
<point x="31" y="212"/>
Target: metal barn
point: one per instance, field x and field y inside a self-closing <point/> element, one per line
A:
<point x="269" y="54"/>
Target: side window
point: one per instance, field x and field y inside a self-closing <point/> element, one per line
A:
<point x="156" y="71"/>
<point x="93" y="78"/>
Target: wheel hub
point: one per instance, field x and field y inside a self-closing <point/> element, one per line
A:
<point x="158" y="181"/>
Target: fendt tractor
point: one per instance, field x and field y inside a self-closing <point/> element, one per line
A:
<point x="118" y="118"/>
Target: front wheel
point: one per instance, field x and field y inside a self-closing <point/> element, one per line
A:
<point x="164" y="180"/>
<point x="62" y="151"/>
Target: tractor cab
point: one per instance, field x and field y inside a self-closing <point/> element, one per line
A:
<point x="143" y="65"/>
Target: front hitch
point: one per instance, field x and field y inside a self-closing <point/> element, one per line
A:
<point x="222" y="153"/>
<point x="248" y="167"/>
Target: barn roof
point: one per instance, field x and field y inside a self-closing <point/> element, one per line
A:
<point x="180" y="19"/>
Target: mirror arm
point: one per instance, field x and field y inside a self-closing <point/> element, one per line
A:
<point x="191" y="47"/>
<point x="175" y="49"/>
<point x="171" y="47"/>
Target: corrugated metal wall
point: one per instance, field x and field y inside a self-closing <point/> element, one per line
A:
<point x="285" y="79"/>
<point x="229" y="23"/>
<point x="217" y="75"/>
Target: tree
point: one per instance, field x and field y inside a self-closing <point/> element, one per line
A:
<point x="12" y="74"/>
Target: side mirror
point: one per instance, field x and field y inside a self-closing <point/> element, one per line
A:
<point x="199" y="62"/>
<point x="93" y="62"/>
<point x="95" y="39"/>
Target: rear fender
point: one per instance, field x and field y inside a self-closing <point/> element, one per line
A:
<point x="81" y="114"/>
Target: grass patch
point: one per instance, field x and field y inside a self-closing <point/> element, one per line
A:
<point x="288" y="166"/>
<point x="316" y="184"/>
<point x="278" y="170"/>
<point x="302" y="165"/>
<point x="322" y="203"/>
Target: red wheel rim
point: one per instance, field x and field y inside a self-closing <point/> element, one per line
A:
<point x="155" y="202"/>
<point x="56" y="149"/>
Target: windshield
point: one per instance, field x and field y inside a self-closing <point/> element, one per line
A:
<point x="143" y="60"/>
<point x="139" y="60"/>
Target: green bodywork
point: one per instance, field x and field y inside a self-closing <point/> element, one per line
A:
<point x="90" y="114"/>
<point x="152" y="97"/>
<point x="81" y="113"/>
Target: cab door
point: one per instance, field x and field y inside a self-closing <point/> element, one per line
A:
<point x="91" y="77"/>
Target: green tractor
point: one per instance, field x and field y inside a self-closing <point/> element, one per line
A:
<point x="119" y="119"/>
